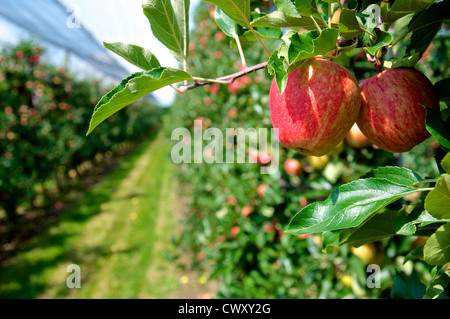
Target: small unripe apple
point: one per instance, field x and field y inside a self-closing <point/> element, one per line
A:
<point x="355" y="138"/>
<point x="293" y="167"/>
<point x="366" y="253"/>
<point x="320" y="104"/>
<point x="391" y="115"/>
<point x="318" y="162"/>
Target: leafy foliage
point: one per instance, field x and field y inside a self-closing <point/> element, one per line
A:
<point x="357" y="206"/>
<point x="43" y="118"/>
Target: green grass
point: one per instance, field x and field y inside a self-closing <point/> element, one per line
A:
<point x="117" y="233"/>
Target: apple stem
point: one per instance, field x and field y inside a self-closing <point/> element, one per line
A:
<point x="228" y="79"/>
<point x="241" y="52"/>
<point x="316" y="24"/>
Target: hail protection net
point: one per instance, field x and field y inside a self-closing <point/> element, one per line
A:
<point x="55" y="24"/>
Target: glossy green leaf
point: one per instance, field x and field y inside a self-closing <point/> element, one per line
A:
<point x="348" y="206"/>
<point x="277" y="69"/>
<point x="306" y="7"/>
<point x="407" y="287"/>
<point x="225" y="23"/>
<point x="278" y="19"/>
<point x="383" y="39"/>
<point x="377" y="227"/>
<point x="134" y="54"/>
<point x="406" y="62"/>
<point x="437" y="248"/>
<point x="299" y="47"/>
<point x="164" y="25"/>
<point x="438" y="128"/>
<point x="436" y="12"/>
<point x="437" y="202"/>
<point x="405" y="224"/>
<point x="181" y="9"/>
<point x="445" y="163"/>
<point x="263" y="32"/>
<point x="238" y="10"/>
<point x="287" y="7"/>
<point x="442" y="89"/>
<point x="348" y="24"/>
<point x="133" y="88"/>
<point x="401" y="8"/>
<point x="422" y="38"/>
<point x="399" y="175"/>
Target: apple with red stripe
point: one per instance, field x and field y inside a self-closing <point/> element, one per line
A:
<point x="392" y="116"/>
<point x="320" y="104"/>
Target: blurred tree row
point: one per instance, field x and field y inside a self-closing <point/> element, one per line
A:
<point x="236" y="218"/>
<point x="44" y="113"/>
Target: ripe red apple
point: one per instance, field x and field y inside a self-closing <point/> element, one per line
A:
<point x="264" y="158"/>
<point x="292" y="167"/>
<point x="391" y="115"/>
<point x="318" y="107"/>
<point x="246" y="210"/>
<point x="355" y="138"/>
<point x="234" y="231"/>
<point x="261" y="190"/>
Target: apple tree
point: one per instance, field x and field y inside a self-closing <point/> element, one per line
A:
<point x="315" y="102"/>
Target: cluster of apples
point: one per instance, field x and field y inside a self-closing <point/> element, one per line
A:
<point x="323" y="101"/>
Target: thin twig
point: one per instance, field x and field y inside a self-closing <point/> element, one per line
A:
<point x="228" y="79"/>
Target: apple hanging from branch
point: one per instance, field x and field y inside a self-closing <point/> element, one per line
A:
<point x="392" y="114"/>
<point x="320" y="104"/>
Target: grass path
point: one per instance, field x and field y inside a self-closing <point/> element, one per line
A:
<point x="117" y="233"/>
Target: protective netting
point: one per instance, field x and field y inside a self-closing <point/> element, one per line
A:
<point x="52" y="22"/>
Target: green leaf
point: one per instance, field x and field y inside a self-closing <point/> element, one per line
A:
<point x="383" y="39"/>
<point x="377" y="227"/>
<point x="238" y="10"/>
<point x="445" y="163"/>
<point x="442" y="89"/>
<point x="436" y="12"/>
<point x="277" y="69"/>
<point x="164" y="25"/>
<point x="438" y="128"/>
<point x="407" y="287"/>
<point x="405" y="62"/>
<point x="263" y="32"/>
<point x="421" y="38"/>
<point x="348" y="24"/>
<point x="348" y="206"/>
<point x="399" y="175"/>
<point x="181" y="9"/>
<point x="134" y="54"/>
<point x="299" y="47"/>
<point x="401" y="8"/>
<point x="306" y="7"/>
<point x="278" y="19"/>
<point x="287" y="7"/>
<point x="437" y="202"/>
<point x="131" y="89"/>
<point x="329" y="240"/>
<point x="225" y="23"/>
<point x="405" y="224"/>
<point x="437" y="248"/>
